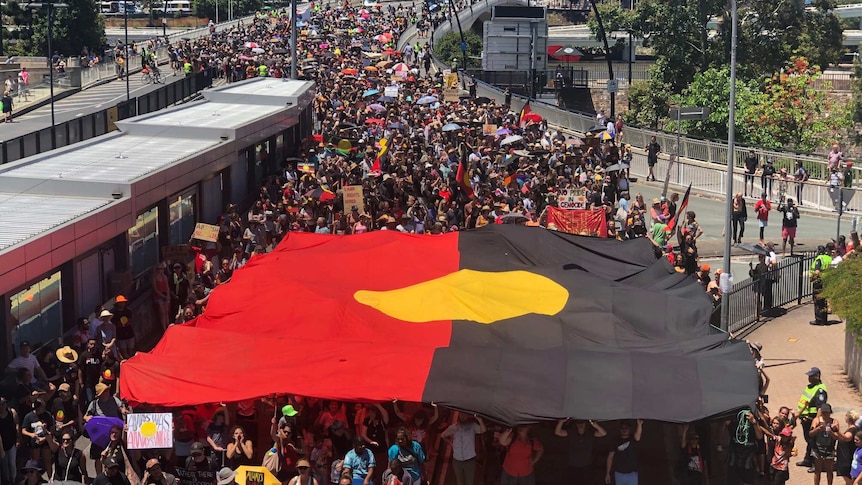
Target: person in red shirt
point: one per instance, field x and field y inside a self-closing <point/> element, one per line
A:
<point x="762" y="208"/>
<point x="523" y="451"/>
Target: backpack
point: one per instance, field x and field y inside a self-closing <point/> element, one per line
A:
<point x="272" y="460"/>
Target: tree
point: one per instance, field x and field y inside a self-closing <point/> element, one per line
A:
<point x="449" y="47"/>
<point x="841" y="289"/>
<point x="856" y="80"/>
<point x="793" y="113"/>
<point x="614" y="18"/>
<point x="77" y="26"/>
<point x="711" y="89"/>
<point x="650" y="101"/>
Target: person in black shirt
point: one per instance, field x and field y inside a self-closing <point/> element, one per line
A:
<point x="581" y="436"/>
<point x="198" y="461"/>
<point x="90" y="364"/>
<point x="32" y="473"/>
<point x="653" y="149"/>
<point x="65" y="410"/>
<point x="36" y="429"/>
<point x="742" y="454"/>
<point x="153" y="475"/>
<point x="111" y="475"/>
<point x="789" y="222"/>
<point x="751" y="162"/>
<point x="69" y="462"/>
<point x="623" y="459"/>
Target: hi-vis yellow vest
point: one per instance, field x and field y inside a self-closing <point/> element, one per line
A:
<point x="805" y="407"/>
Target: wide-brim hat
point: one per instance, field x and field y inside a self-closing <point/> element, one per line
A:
<point x="67" y="355"/>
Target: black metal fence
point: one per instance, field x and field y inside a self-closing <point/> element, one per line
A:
<point x="101" y="122"/>
<point x="546" y="80"/>
<point x="754" y="299"/>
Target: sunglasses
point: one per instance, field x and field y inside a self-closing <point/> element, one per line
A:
<point x="66" y="440"/>
<point x="302" y="468"/>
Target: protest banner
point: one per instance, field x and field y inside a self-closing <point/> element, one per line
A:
<point x="489" y="130"/>
<point x="391" y="91"/>
<point x="195" y="477"/>
<point x="571" y="199"/>
<point x="581" y="222"/>
<point x="149" y="431"/>
<point x="353" y="196"/>
<point x="206" y="232"/>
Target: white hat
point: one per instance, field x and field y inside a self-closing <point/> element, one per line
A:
<point x="106" y="313"/>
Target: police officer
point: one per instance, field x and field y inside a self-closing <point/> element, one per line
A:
<point x="821" y="262"/>
<point x="812" y="398"/>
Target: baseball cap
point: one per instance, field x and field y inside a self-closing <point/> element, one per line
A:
<point x="111" y="462"/>
<point x="787" y="431"/>
<point x="197" y="448"/>
<point x="64" y="387"/>
<point x="826" y="408"/>
<point x="813" y="372"/>
<point x="289" y="410"/>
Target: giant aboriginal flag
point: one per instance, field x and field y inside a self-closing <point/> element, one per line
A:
<point x="516" y="323"/>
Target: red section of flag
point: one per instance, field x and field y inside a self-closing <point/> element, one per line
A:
<point x="524" y="111"/>
<point x="463" y="177"/>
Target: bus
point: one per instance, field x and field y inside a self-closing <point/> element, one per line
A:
<point x="182" y="7"/>
<point x="117" y="8"/>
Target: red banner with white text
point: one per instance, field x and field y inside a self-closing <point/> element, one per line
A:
<point x="582" y="222"/>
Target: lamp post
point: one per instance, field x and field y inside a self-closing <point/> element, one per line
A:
<point x="50" y="7"/>
<point x="126" y="49"/>
<point x="293" y="46"/>
<point x="165" y="21"/>
<point x="731" y="147"/>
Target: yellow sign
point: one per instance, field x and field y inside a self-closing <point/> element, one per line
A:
<point x="489" y="130"/>
<point x="206" y="232"/>
<point x="255" y="475"/>
<point x="353" y="196"/>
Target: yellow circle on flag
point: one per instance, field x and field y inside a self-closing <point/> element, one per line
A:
<point x="149" y="429"/>
<point x="344" y="145"/>
<point x="108" y="373"/>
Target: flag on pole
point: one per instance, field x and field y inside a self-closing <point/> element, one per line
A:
<point x="524" y="111"/>
<point x="463" y="177"/>
<point x="384" y="149"/>
<point x="671" y="225"/>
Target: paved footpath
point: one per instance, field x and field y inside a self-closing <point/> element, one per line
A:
<point x="790" y="347"/>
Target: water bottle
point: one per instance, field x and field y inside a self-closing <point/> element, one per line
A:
<point x="826" y="430"/>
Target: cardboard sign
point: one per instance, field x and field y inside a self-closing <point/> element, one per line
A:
<point x="571" y="200"/>
<point x="451" y="80"/>
<point x="353" y="196"/>
<point x="150" y="431"/>
<point x="176" y="254"/>
<point x="206" y="232"/>
<point x="191" y="477"/>
<point x="581" y="222"/>
<point x="254" y="478"/>
<point x="391" y="91"/>
<point x="489" y="130"/>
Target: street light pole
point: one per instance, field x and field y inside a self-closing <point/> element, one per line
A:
<point x="731" y="148"/>
<point x="165" y="21"/>
<point x="293" y="46"/>
<point x="51" y="74"/>
<point x="126" y="49"/>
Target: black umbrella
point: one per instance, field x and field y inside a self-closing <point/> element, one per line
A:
<point x="615" y="167"/>
<point x="596" y="130"/>
<point x="396" y="126"/>
<point x="346" y="125"/>
<point x="483" y="100"/>
<point x="754" y="248"/>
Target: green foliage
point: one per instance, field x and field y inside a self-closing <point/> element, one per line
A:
<point x="794" y="113"/>
<point x="75" y="27"/>
<point x="614" y="18"/>
<point x="650" y="101"/>
<point x="711" y="89"/>
<point x="449" y="47"/>
<point x="207" y="8"/>
<point x="856" y="104"/>
<point x="841" y="289"/>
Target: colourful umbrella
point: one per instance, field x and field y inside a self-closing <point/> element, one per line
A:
<point x="531" y="118"/>
<point x="427" y="100"/>
<point x="401" y="67"/>
<point x="351" y="72"/>
<point x="99" y="429"/>
<point x="377" y="107"/>
<point x="605" y="136"/>
<point x="374" y="121"/>
<point x="566" y="54"/>
<point x="370" y="92"/>
<point x="252" y="45"/>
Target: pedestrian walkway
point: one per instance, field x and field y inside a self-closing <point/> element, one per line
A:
<point x="791" y="346"/>
<point x="84" y="102"/>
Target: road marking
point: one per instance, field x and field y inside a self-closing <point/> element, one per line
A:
<point x="793" y="340"/>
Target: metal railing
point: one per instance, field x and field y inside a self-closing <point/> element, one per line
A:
<point x="757" y="298"/>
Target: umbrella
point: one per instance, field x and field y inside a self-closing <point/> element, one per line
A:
<point x="426" y="100"/>
<point x="382" y="38"/>
<point x="401" y="67"/>
<point x="350" y="71"/>
<point x="753" y="248"/>
<point x="514" y="218"/>
<point x="388" y="52"/>
<point x="374" y="121"/>
<point x="99" y="429"/>
<point x="531" y="118"/>
<point x="451" y="127"/>
<point x="383" y="64"/>
<point x="371" y="69"/>
<point x="483" y="100"/>
<point x="503" y="131"/>
<point x="346" y="125"/>
<point x="576" y="142"/>
<point x="252" y="45"/>
<point x="258" y="50"/>
<point x="370" y="92"/>
<point x="386" y="99"/>
<point x="396" y="126"/>
<point x="605" y="136"/>
<point x="615" y="167"/>
<point x="268" y="477"/>
<point x="279" y="51"/>
<point x="596" y="130"/>
<point x="377" y="107"/>
<point x="511" y="139"/>
<point x="320" y="194"/>
<point x="567" y="54"/>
